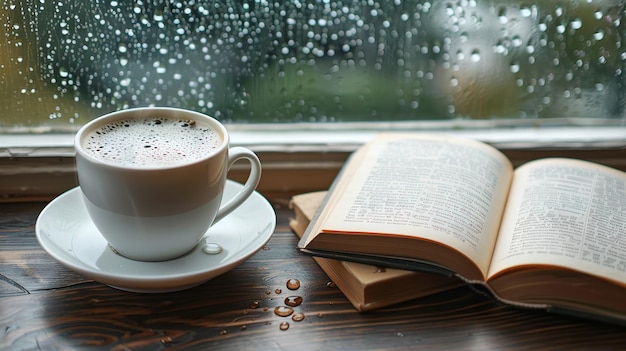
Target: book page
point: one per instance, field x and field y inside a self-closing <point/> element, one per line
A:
<point x="565" y="212"/>
<point x="446" y="190"/>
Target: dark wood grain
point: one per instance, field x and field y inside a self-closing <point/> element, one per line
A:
<point x="45" y="306"/>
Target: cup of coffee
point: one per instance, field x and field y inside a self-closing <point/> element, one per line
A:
<point x="152" y="179"/>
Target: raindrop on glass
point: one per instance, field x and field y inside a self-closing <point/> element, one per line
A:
<point x="525" y="10"/>
<point x="502" y="15"/>
<point x="475" y="56"/>
<point x="598" y="35"/>
<point x="515" y="67"/>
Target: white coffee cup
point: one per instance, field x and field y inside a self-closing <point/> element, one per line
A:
<point x="156" y="206"/>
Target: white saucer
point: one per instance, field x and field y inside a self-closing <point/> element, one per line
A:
<point x="65" y="231"/>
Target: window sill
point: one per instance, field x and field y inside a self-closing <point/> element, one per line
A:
<point x="39" y="167"/>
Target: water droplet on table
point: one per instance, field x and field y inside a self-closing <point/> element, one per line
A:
<point x="293" y="284"/>
<point x="283" y="311"/>
<point x="293" y="301"/>
<point x="297" y="317"/>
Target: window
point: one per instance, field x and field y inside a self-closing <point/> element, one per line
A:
<point x="330" y="72"/>
<point x="64" y="62"/>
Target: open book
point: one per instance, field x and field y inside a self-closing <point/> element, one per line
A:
<point x="367" y="287"/>
<point x="549" y="235"/>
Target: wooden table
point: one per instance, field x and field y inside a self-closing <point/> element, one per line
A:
<point x="46" y="306"/>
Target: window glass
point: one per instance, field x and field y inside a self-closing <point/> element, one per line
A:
<point x="63" y="62"/>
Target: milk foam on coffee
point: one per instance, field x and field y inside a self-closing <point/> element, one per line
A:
<point x="152" y="142"/>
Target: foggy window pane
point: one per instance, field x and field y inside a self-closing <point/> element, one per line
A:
<point x="64" y="62"/>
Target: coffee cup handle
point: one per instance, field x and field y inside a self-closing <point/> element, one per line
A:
<point x="235" y="154"/>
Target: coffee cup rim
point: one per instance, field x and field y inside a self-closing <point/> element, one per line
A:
<point x="132" y="113"/>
